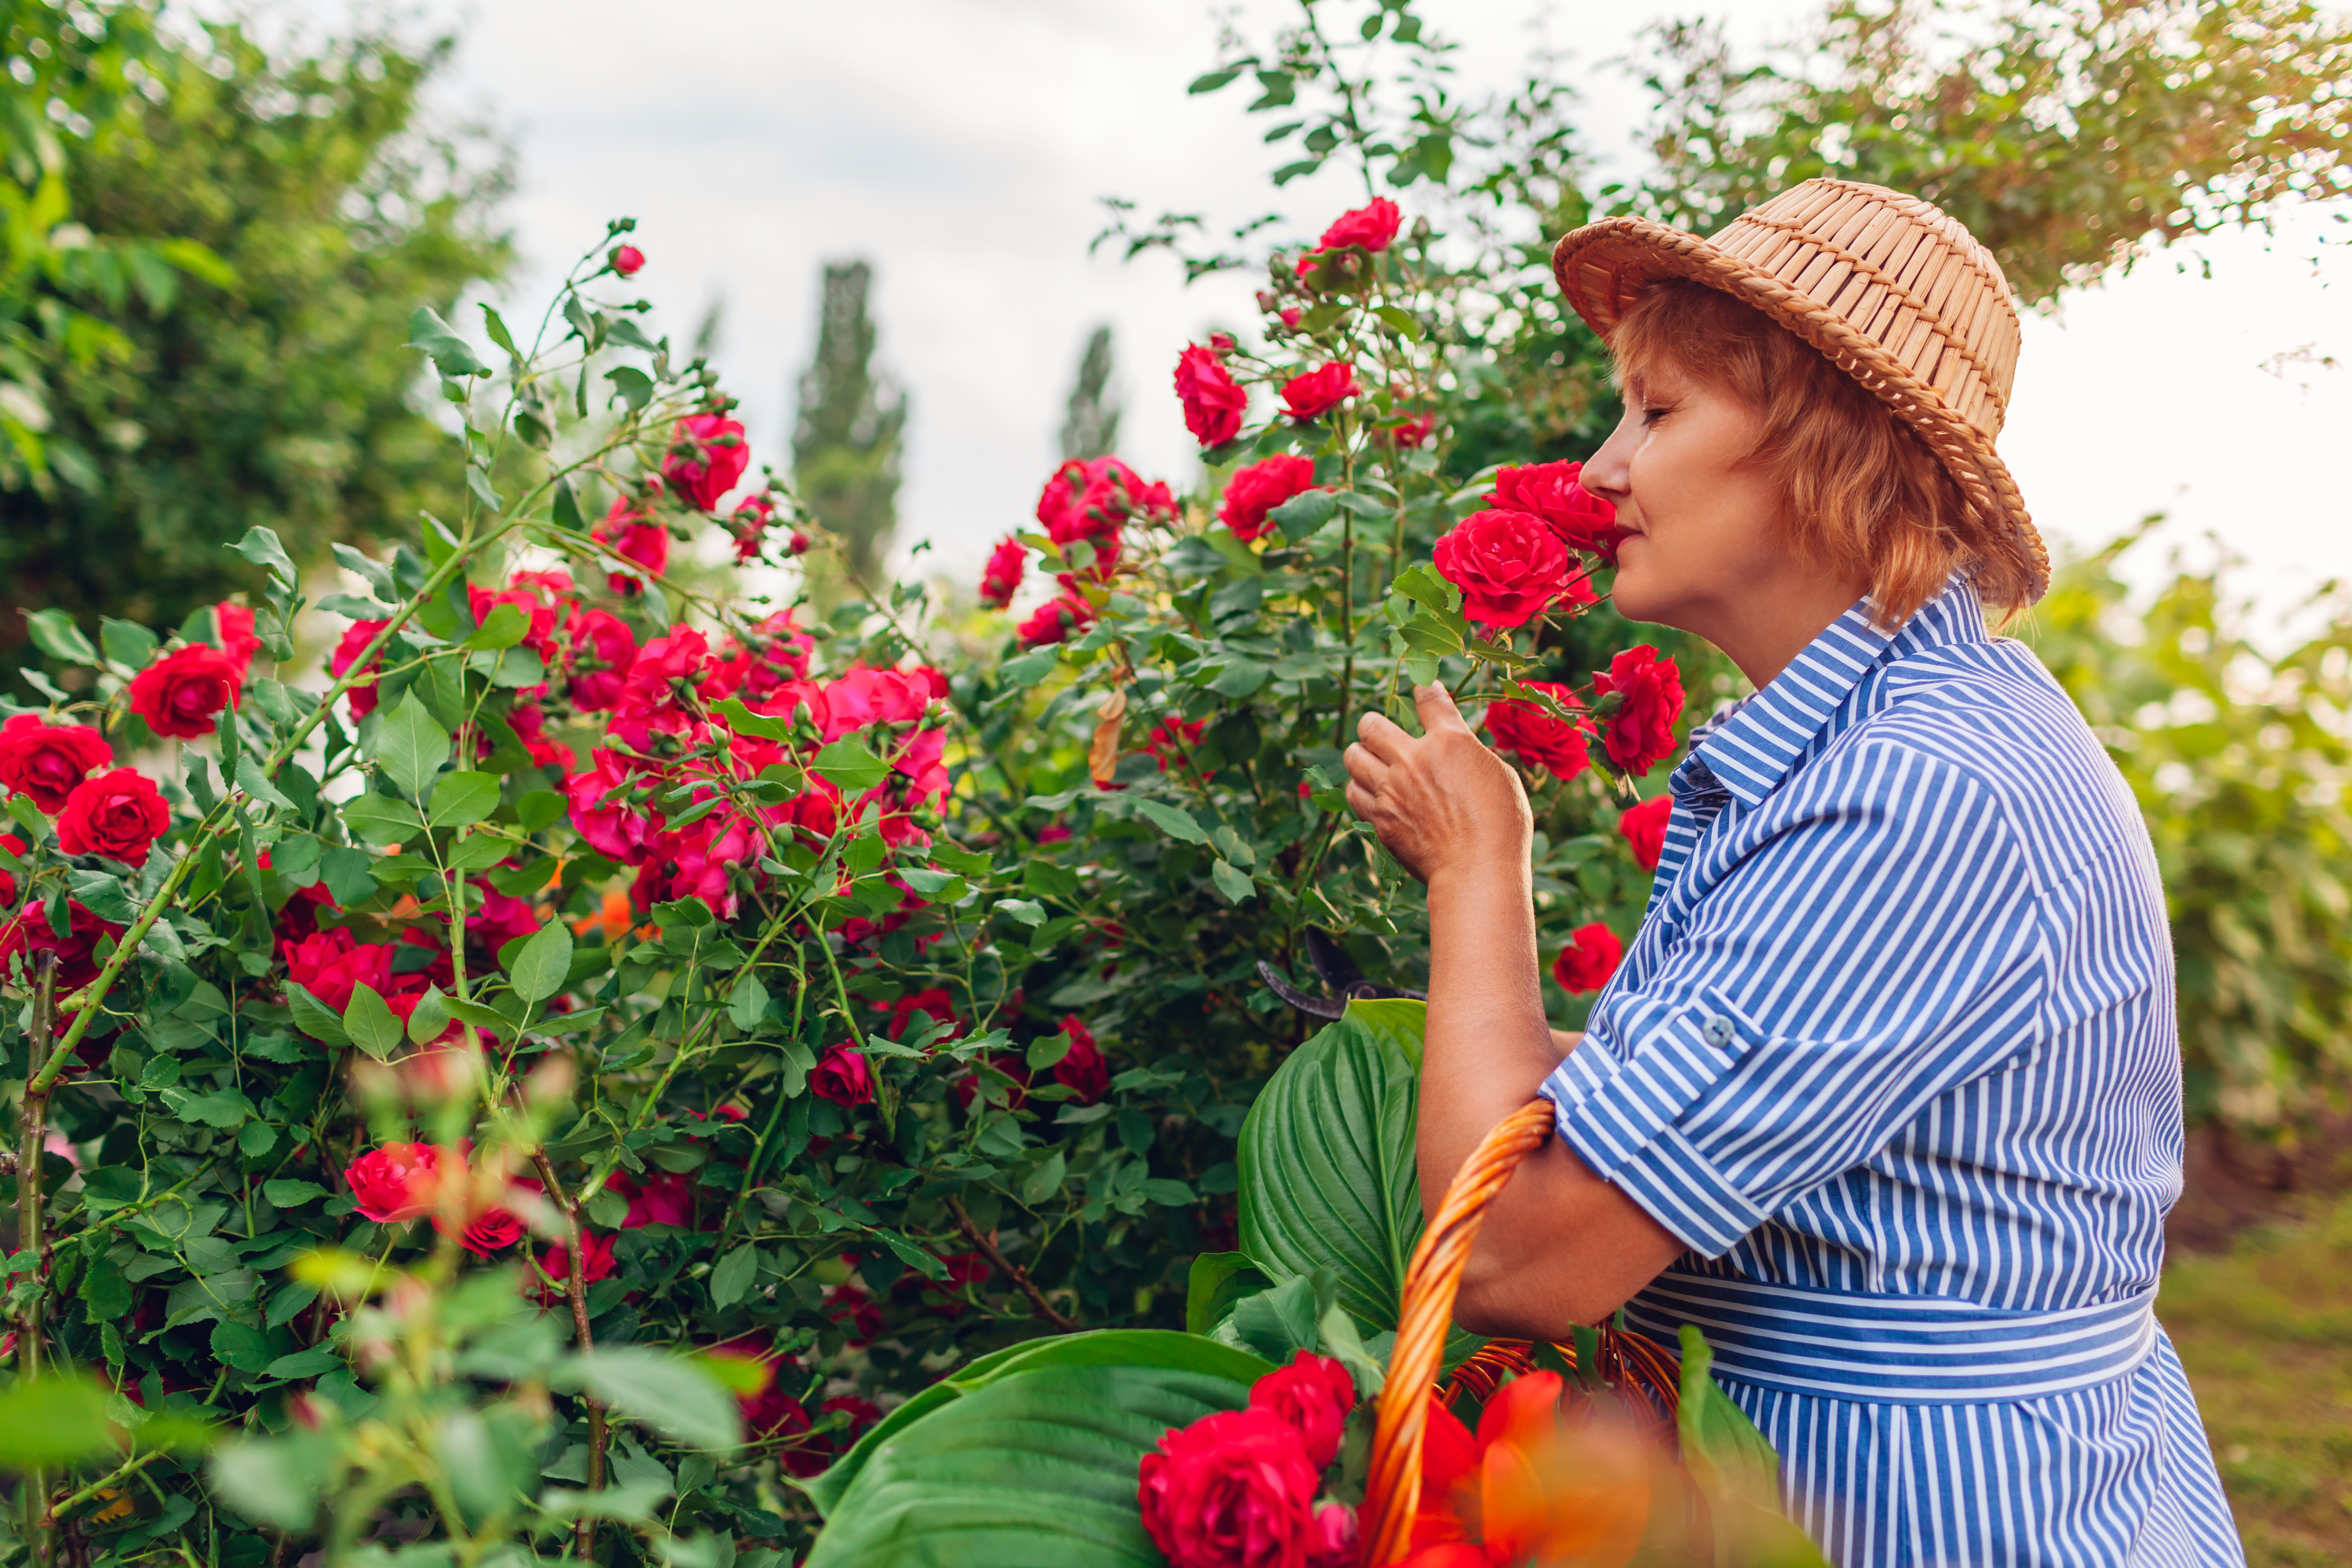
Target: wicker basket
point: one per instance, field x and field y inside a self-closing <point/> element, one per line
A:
<point x="1644" y="1376"/>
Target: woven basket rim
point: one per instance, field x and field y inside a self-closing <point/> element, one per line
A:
<point x="1637" y="250"/>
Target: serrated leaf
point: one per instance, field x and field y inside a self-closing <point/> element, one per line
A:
<point x="410" y="748"/>
<point x="743" y="722"/>
<point x="287" y="1192"/>
<point x="504" y="627"/>
<point x="460" y="800"/>
<point x="732" y="1278"/>
<point x="451" y="354"/>
<point x="260" y="546"/>
<point x="1173" y="820"/>
<point x="746" y="1002"/>
<point x="543" y="963"/>
<point x="374" y="819"/>
<point x="54" y="633"/>
<point x="313" y="1018"/>
<point x="1234" y="884"/>
<point x="127" y="642"/>
<point x="373" y="573"/>
<point x="369" y="1024"/>
<point x="255" y="782"/>
<point x="632" y="385"/>
<point x="850" y="767"/>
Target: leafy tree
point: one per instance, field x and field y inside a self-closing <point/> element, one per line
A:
<point x="2068" y="137"/>
<point x="1091" y="426"/>
<point x="846" y="448"/>
<point x="278" y="392"/>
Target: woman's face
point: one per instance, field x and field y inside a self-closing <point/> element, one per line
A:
<point x="1702" y="534"/>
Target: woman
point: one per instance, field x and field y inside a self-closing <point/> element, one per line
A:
<point x="1885" y="1097"/>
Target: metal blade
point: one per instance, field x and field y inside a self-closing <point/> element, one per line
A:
<point x="1313" y="1007"/>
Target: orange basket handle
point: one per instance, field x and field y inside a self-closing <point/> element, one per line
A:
<point x="1393" y="1487"/>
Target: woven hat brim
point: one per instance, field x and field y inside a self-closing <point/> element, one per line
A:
<point x="1603" y="266"/>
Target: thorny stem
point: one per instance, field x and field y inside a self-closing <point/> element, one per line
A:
<point x="1012" y="1271"/>
<point x="35" y="1127"/>
<point x="122" y="1472"/>
<point x="575" y="1286"/>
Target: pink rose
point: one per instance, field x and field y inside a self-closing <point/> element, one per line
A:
<point x="1234" y="1490"/>
<point x="719" y="457"/>
<point x="1509" y="565"/>
<point x="1536" y="738"/>
<point x="355" y="638"/>
<point x="46" y="761"/>
<point x="626" y="259"/>
<point x="1215" y="402"/>
<point x="1258" y="489"/>
<point x="621" y="830"/>
<point x="1316" y="392"/>
<point x="396" y="1182"/>
<point x="603" y="650"/>
<point x="1000" y="578"/>
<point x="180" y="692"/>
<point x="1312" y="1395"/>
<point x="1649" y="693"/>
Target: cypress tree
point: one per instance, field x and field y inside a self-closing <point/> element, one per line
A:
<point x="1091" y="428"/>
<point x="845" y="448"/>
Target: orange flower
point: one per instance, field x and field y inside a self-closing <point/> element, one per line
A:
<point x="612" y="918"/>
<point x="1529" y="1487"/>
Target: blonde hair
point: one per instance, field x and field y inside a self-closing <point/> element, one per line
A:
<point x="1860" y="492"/>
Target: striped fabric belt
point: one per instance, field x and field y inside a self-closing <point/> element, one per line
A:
<point x="1897" y="1350"/>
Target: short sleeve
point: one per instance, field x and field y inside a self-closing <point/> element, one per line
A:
<point x="1876" y="943"/>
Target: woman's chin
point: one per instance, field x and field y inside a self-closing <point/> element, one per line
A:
<point x="1634" y="589"/>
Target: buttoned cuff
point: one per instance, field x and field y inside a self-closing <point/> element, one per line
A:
<point x="1619" y="1100"/>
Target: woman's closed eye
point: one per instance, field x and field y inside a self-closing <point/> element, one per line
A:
<point x="1653" y="412"/>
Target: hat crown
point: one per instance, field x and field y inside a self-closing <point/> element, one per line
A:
<point x="1902" y="273"/>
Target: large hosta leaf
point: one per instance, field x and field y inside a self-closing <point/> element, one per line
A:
<point x="1036" y="1464"/>
<point x="1328" y="1177"/>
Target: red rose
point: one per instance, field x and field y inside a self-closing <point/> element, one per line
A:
<point x="77" y="951"/>
<point x="1589" y="959"/>
<point x="14" y="846"/>
<point x="719" y="457"/>
<point x="626" y="259"/>
<point x="117" y="814"/>
<point x="1649" y="691"/>
<point x="664" y="1197"/>
<point x="1258" y="489"/>
<point x="332" y="963"/>
<point x="1645" y="827"/>
<point x="356" y="638"/>
<point x="1335" y="1543"/>
<point x="1000" y="578"/>
<point x="1316" y="392"/>
<point x="1552" y="491"/>
<point x="539" y="615"/>
<point x="842" y="1076"/>
<point x="180" y="692"/>
<point x="1215" y="402"/>
<point x="233" y="624"/>
<point x="395" y="1182"/>
<point x="1083" y="1072"/>
<point x="603" y="650"/>
<point x="1536" y="738"/>
<point x="493" y="1230"/>
<point x="597" y="1252"/>
<point x="1412" y="432"/>
<point x="1372" y="226"/>
<point x="1509" y="565"/>
<point x="1312" y="1395"/>
<point x="1233" y="1490"/>
<point x="46" y="761"/>
<point x="1054" y="620"/>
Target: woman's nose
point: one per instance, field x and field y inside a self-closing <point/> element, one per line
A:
<point x="1609" y="473"/>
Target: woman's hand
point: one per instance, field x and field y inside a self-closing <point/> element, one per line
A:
<point x="1442" y="803"/>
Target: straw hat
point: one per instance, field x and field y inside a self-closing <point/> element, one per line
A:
<point x="1895" y="291"/>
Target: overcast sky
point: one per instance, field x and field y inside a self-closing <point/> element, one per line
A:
<point x="964" y="146"/>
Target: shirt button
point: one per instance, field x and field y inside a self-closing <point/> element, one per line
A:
<point x="1715" y="1030"/>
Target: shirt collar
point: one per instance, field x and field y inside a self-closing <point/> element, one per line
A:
<point x="1752" y="749"/>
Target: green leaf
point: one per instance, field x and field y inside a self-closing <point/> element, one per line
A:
<point x="504" y="627"/>
<point x="260" y="546"/>
<point x="1173" y="820"/>
<point x="430" y="1018"/>
<point x="743" y="722"/>
<point x="55" y="1421"/>
<point x="463" y="799"/>
<point x="372" y="573"/>
<point x="540" y="809"/>
<point x="452" y="355"/>
<point x="313" y="1018"/>
<point x="127" y="642"/>
<point x="371" y="1024"/>
<point x="410" y="748"/>
<point x="746" y="1002"/>
<point x="274" y="1481"/>
<point x="55" y="634"/>
<point x="242" y="1346"/>
<point x="732" y="1278"/>
<point x="255" y="782"/>
<point x="1217" y="1281"/>
<point x="1234" y="884"/>
<point x="544" y="963"/>
<point x="1304" y="512"/>
<point x="374" y="819"/>
<point x="288" y="1192"/>
<point x="1211" y="81"/>
<point x="632" y="384"/>
<point x="1032" y="1469"/>
<point x="850" y="767"/>
<point x="1327" y="1171"/>
<point x="495" y="326"/>
<point x="667" y="1393"/>
<point x="1240" y="678"/>
<point x="1030" y="667"/>
<point x="105" y="1291"/>
<point x="316" y="1362"/>
<point x="1726" y="1453"/>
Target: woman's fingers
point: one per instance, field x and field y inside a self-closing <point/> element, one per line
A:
<point x="1435" y="706"/>
<point x="1361" y="800"/>
<point x="1364" y="766"/>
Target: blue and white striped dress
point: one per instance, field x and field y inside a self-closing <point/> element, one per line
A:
<point x="1895" y="1051"/>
